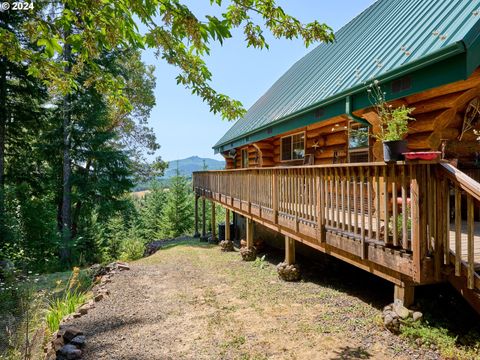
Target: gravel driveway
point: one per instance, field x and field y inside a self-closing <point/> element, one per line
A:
<point x="191" y="301"/>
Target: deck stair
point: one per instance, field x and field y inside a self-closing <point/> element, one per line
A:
<point x="464" y="234"/>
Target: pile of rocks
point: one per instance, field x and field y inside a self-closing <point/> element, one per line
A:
<point x="100" y="290"/>
<point x="226" y="245"/>
<point x="396" y="314"/>
<point x="152" y="247"/>
<point x="248" y="253"/>
<point x="67" y="344"/>
<point x="288" y="272"/>
<point x="68" y="341"/>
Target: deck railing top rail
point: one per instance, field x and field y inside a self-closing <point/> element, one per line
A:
<point x="461" y="179"/>
<point x="344" y="165"/>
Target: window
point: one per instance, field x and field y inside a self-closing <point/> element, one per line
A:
<point x="293" y="147"/>
<point x="358" y="142"/>
<point x="358" y="137"/>
<point x="244" y="158"/>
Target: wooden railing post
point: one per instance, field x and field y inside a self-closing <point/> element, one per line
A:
<point x="249" y="192"/>
<point x="320" y="206"/>
<point x="418" y="219"/>
<point x="275" y="197"/>
<point x="470" y="243"/>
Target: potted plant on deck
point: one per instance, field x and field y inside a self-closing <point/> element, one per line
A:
<point x="392" y="124"/>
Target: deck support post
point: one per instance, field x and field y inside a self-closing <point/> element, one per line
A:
<point x="227" y="225"/>
<point x="249" y="233"/>
<point x="404" y="294"/>
<point x="227" y="244"/>
<point x="204" y="222"/>
<point x="197" y="234"/>
<point x="288" y="270"/>
<point x="289" y="250"/>
<point x="213" y="222"/>
<point x="248" y="252"/>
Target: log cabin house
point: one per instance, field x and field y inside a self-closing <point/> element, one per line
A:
<point x="299" y="162"/>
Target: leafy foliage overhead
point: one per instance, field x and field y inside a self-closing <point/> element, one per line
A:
<point x="180" y="37"/>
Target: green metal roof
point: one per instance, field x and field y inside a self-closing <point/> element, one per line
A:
<point x="390" y="39"/>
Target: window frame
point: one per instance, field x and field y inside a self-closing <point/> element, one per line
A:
<point x="291" y="146"/>
<point x="358" y="150"/>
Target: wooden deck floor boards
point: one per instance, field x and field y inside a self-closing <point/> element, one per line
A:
<point x="464" y="241"/>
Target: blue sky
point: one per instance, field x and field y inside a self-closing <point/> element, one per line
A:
<point x="182" y="122"/>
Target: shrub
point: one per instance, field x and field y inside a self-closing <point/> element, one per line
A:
<point x="133" y="247"/>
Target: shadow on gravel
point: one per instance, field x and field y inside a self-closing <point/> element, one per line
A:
<point x="348" y="352"/>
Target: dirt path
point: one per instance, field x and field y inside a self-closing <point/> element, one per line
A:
<point x="194" y="302"/>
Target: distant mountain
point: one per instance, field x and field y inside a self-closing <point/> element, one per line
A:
<point x="191" y="164"/>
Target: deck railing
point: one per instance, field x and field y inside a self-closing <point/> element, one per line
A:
<point x="394" y="206"/>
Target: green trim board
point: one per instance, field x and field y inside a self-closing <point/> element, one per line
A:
<point x="449" y="53"/>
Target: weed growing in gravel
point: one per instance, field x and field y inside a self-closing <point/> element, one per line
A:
<point x="260" y="262"/>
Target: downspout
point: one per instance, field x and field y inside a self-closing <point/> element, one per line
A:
<point x="351" y="116"/>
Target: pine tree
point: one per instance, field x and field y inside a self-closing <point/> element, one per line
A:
<point x="177" y="218"/>
<point x="151" y="213"/>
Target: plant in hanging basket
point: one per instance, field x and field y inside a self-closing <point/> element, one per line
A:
<point x="393" y="123"/>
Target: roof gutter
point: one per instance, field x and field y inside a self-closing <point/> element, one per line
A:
<point x="442" y="54"/>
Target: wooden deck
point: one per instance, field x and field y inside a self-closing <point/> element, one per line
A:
<point x="390" y="220"/>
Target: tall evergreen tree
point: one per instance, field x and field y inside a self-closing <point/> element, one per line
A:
<point x="177" y="217"/>
<point x="152" y="212"/>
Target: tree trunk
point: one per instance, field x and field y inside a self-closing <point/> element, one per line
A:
<point x="3" y="125"/>
<point x="79" y="204"/>
<point x="67" y="170"/>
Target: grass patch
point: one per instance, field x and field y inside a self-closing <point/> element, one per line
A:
<point x="59" y="308"/>
<point x="444" y="340"/>
<point x="25" y="304"/>
<point x="74" y="295"/>
<point x="449" y="324"/>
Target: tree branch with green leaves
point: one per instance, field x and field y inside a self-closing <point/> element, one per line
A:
<point x="178" y="36"/>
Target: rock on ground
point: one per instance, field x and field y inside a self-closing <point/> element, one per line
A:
<point x="226" y="245"/>
<point x="248" y="254"/>
<point x="288" y="272"/>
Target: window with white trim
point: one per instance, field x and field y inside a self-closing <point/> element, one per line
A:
<point x="293" y="147"/>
